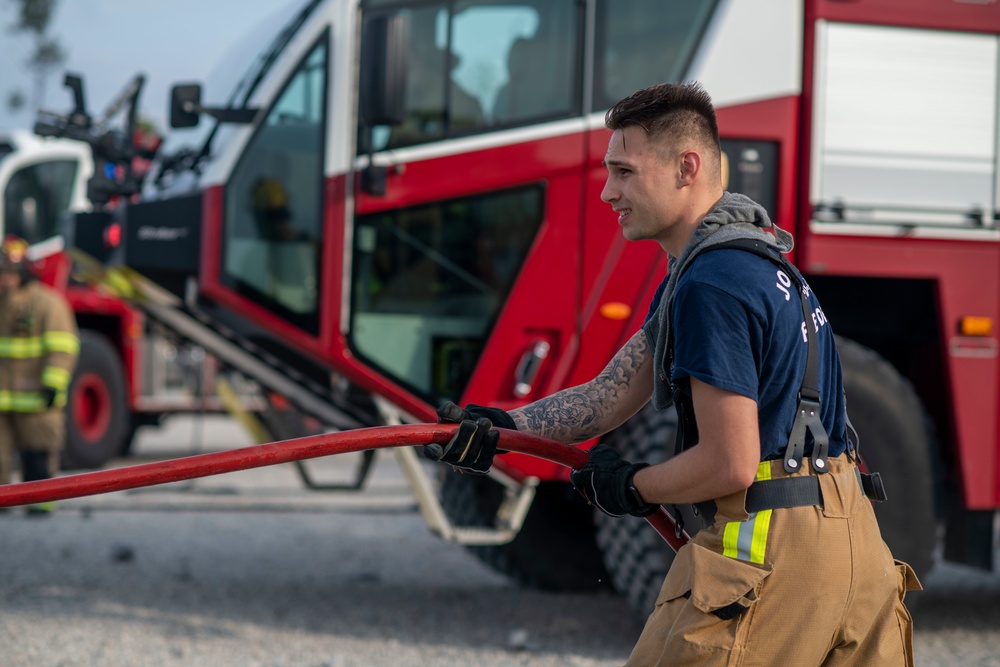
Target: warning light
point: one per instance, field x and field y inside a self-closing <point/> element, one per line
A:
<point x="971" y="325"/>
<point x="113" y="235"/>
<point x="616" y="310"/>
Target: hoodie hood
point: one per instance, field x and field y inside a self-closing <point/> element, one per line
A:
<point x="734" y="216"/>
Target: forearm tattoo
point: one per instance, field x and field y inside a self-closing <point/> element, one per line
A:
<point x="588" y="410"/>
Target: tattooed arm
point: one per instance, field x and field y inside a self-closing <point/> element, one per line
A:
<point x="601" y="405"/>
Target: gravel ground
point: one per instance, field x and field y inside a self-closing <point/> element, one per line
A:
<point x="250" y="588"/>
<point x="251" y="570"/>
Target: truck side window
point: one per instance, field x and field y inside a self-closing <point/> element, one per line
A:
<point x="36" y="197"/>
<point x="429" y="282"/>
<point x="642" y="42"/>
<point x="273" y="210"/>
<point x="474" y="65"/>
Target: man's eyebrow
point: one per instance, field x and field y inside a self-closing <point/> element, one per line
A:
<point x="615" y="163"/>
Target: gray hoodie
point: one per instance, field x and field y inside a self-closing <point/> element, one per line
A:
<point x="734" y="216"/>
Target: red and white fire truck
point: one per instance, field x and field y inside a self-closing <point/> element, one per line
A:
<point x="388" y="203"/>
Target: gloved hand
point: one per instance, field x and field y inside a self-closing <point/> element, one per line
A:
<point x="606" y="483"/>
<point x="49" y="396"/>
<point x="474" y="444"/>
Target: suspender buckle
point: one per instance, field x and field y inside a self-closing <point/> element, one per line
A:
<point x="807" y="419"/>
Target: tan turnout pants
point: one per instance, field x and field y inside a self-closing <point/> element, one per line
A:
<point x="31" y="431"/>
<point x="804" y="586"/>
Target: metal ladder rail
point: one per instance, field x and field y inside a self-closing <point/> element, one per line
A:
<point x="221" y="341"/>
<point x="255" y="363"/>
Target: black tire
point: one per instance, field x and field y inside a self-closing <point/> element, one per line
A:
<point x="555" y="549"/>
<point x="97" y="415"/>
<point x="895" y="442"/>
<point x="634" y="553"/>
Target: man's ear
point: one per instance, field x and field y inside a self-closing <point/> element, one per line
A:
<point x="689" y="167"/>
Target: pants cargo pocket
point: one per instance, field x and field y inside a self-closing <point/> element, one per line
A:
<point x="906" y="580"/>
<point x="703" y="611"/>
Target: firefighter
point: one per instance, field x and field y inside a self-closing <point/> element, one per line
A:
<point x="38" y="351"/>
<point x="791" y="567"/>
<point x="269" y="201"/>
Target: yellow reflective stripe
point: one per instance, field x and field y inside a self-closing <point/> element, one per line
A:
<point x="55" y="377"/>
<point x="61" y="341"/>
<point x="36" y="346"/>
<point x="21" y="348"/>
<point x="731" y="539"/>
<point x="759" y="543"/>
<point x="21" y="401"/>
<point x="747" y="540"/>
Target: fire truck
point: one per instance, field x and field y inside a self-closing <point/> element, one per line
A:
<point x="374" y="206"/>
<point x="128" y="374"/>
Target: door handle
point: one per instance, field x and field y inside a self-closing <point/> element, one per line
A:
<point x="527" y="368"/>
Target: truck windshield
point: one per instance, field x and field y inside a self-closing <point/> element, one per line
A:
<point x="235" y="77"/>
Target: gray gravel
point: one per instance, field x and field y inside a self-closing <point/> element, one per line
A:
<point x="251" y="570"/>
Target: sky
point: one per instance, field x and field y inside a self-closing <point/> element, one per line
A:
<point x="110" y="41"/>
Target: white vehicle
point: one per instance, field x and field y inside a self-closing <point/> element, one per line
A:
<point x="41" y="178"/>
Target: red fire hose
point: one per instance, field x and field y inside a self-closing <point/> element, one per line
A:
<point x="315" y="446"/>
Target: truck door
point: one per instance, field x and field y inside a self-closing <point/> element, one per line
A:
<point x="464" y="278"/>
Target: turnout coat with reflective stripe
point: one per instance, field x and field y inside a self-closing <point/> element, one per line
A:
<point x="38" y="347"/>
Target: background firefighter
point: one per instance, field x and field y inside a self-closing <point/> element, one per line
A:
<point x="38" y="351"/>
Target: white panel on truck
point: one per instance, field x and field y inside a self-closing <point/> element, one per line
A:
<point x="905" y="119"/>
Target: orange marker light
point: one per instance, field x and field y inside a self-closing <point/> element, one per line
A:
<point x="616" y="310"/>
<point x="972" y="325"/>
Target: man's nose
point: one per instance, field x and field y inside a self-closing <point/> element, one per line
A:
<point x="609" y="193"/>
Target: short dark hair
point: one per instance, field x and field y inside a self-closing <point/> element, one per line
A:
<point x="682" y="109"/>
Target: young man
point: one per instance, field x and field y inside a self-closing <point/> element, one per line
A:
<point x="38" y="351"/>
<point x="793" y="569"/>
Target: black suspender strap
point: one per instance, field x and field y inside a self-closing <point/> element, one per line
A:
<point x="807" y="414"/>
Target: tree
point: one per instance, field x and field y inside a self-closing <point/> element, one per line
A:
<point x="34" y="17"/>
<point x="16" y="100"/>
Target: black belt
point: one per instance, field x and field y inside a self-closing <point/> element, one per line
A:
<point x="770" y="494"/>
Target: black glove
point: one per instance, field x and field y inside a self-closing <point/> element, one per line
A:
<point x="475" y="442"/>
<point x="606" y="483"/>
<point x="49" y="396"/>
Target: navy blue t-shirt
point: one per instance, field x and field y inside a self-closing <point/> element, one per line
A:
<point x="737" y="325"/>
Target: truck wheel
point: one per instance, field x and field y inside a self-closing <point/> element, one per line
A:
<point x="555" y="548"/>
<point x="634" y="553"/>
<point x="97" y="416"/>
<point x="896" y="443"/>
